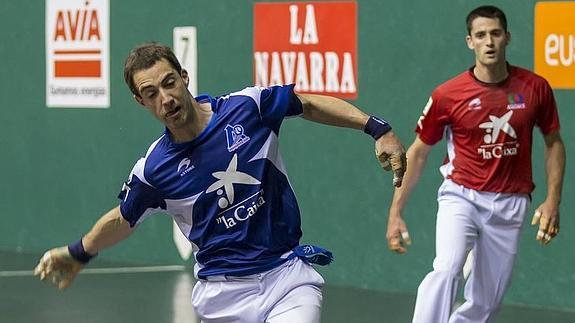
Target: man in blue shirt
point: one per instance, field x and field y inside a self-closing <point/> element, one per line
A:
<point x="217" y="171"/>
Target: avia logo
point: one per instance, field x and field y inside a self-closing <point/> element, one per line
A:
<point x="495" y="126"/>
<point x="516" y="101"/>
<point x="184" y="167"/>
<point x="226" y="181"/>
<point x="474" y="104"/>
<point x="235" y="136"/>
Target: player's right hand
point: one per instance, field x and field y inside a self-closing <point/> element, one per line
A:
<point x="391" y="155"/>
<point x="58" y="268"/>
<point x="397" y="235"/>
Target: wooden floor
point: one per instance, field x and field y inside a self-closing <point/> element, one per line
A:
<point x="114" y="293"/>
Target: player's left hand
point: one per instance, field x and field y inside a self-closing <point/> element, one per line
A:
<point x="391" y="155"/>
<point x="547" y="215"/>
<point x="397" y="235"/>
<point x="58" y="267"/>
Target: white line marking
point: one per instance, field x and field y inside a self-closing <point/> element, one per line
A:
<point x="91" y="271"/>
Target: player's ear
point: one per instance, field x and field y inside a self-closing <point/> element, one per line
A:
<point x="468" y="41"/>
<point x="139" y="99"/>
<point x="185" y="77"/>
<point x="508" y="34"/>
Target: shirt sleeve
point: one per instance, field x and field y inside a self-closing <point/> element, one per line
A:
<point x="547" y="116"/>
<point x="138" y="199"/>
<point x="278" y="102"/>
<point x="435" y="117"/>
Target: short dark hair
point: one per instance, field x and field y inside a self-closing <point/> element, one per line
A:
<point x="145" y="56"/>
<point x="486" y="12"/>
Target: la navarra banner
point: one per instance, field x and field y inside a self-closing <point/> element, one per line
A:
<point x="311" y="44"/>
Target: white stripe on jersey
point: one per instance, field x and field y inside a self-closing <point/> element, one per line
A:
<point x="153" y="145"/>
<point x="447" y="169"/>
<point x="270" y="151"/>
<point x="252" y="92"/>
<point x="181" y="210"/>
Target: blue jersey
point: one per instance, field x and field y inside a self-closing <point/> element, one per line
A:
<point x="228" y="189"/>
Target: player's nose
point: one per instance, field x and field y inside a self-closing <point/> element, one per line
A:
<point x="166" y="98"/>
<point x="489" y="41"/>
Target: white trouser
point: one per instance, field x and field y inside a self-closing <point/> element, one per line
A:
<point x="286" y="294"/>
<point x="488" y="223"/>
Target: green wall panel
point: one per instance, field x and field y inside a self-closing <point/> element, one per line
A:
<point x="64" y="167"/>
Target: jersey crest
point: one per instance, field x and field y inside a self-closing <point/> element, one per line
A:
<point x="235" y="136"/>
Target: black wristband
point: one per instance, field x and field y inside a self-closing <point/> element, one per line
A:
<point x="77" y="252"/>
<point x="376" y="127"/>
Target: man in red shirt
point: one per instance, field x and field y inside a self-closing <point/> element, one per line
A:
<point x="487" y="114"/>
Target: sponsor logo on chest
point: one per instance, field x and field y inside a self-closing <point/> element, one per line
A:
<point x="495" y="128"/>
<point x="184" y="167"/>
<point x="516" y="101"/>
<point x="474" y="104"/>
<point x="232" y="212"/>
<point x="235" y="136"/>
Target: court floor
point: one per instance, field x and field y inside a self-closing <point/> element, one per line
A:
<point x="116" y="293"/>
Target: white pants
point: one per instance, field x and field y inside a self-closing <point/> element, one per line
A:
<point x="286" y="294"/>
<point x="488" y="223"/>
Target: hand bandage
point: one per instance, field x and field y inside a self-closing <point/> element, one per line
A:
<point x="536" y="217"/>
<point x="398" y="163"/>
<point x="58" y="268"/>
<point x="405" y="237"/>
<point x="395" y="162"/>
<point x="385" y="164"/>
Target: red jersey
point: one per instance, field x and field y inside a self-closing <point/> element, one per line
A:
<point x="489" y="128"/>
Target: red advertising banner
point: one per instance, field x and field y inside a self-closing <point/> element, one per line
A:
<point x="311" y="44"/>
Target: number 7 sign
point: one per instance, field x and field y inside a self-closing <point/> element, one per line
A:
<point x="185" y="48"/>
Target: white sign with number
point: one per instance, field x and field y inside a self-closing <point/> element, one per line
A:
<point x="185" y="48"/>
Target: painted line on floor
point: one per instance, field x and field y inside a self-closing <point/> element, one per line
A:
<point x="97" y="271"/>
